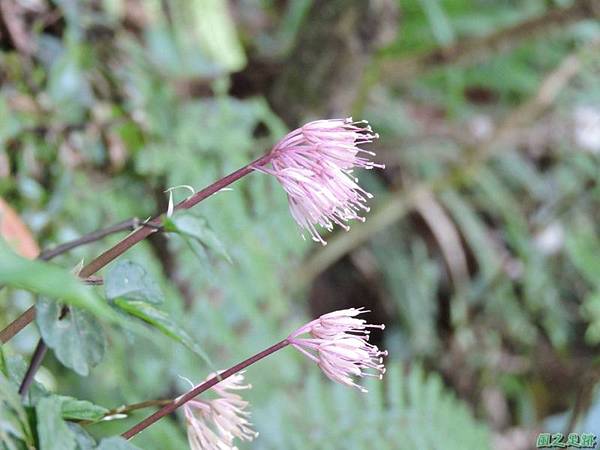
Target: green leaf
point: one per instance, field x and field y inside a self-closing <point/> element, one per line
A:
<point x="14" y="426"/>
<point x="53" y="432"/>
<point x="16" y="367"/>
<point x="190" y="225"/>
<point x="83" y="439"/>
<point x="211" y="22"/>
<point x="116" y="443"/>
<point x="78" y="339"/>
<point x="129" y="280"/>
<point x="74" y="409"/>
<point x="49" y="280"/>
<point x="583" y="249"/>
<point x="160" y="320"/>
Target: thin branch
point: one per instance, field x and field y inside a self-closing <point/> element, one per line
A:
<point x="179" y="401"/>
<point x="143" y="231"/>
<point x="473" y="49"/>
<point x="398" y="205"/>
<point x="147" y="228"/>
<point x="129" y="224"/>
<point x="34" y="364"/>
<point x="17" y="325"/>
<point x="125" y="409"/>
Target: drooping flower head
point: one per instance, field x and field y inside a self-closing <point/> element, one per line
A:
<point x="214" y="424"/>
<point x="314" y="165"/>
<point x="339" y="344"/>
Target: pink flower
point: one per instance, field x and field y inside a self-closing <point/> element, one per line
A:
<point x="214" y="424"/>
<point x="339" y="344"/>
<point x="314" y="165"/>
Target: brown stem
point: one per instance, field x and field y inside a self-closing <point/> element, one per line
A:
<point x="138" y="235"/>
<point x="173" y="405"/>
<point x="17" y="325"/>
<point x="143" y="232"/>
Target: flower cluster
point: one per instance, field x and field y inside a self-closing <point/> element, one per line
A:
<point x="339" y="344"/>
<point x="214" y="424"/>
<point x="314" y="165"/>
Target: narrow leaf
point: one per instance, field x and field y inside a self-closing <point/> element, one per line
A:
<point x="161" y="321"/>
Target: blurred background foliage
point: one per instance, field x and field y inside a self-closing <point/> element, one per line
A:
<point x="481" y="253"/>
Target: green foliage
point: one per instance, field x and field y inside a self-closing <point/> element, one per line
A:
<point x="127" y="279"/>
<point x="116" y="443"/>
<point x="49" y="280"/>
<point x="161" y="321"/>
<point x="133" y="291"/>
<point x="53" y="432"/>
<point x="14" y="425"/>
<point x="197" y="234"/>
<point x="73" y="409"/>
<point x="82" y="438"/>
<point x="75" y="336"/>
<point x="410" y="410"/>
<point x="413" y="279"/>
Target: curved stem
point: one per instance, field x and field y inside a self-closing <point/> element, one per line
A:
<point x="179" y="401"/>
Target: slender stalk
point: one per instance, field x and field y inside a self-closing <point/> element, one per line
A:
<point x="34" y="364"/>
<point x="135" y="406"/>
<point x="17" y="325"/>
<point x="155" y="223"/>
<point x="129" y="224"/>
<point x="124" y="409"/>
<point x="179" y="401"/>
<point x="145" y="230"/>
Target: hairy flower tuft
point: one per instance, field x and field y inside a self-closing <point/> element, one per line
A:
<point x="314" y="165"/>
<point x="339" y="344"/>
<point x="214" y="424"/>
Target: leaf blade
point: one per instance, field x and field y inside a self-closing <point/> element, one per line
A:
<point x="161" y="320"/>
